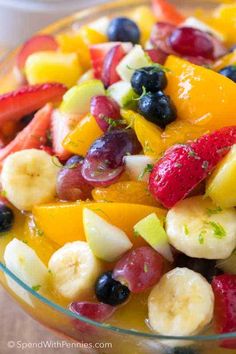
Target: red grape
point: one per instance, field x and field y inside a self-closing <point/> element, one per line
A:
<point x="199" y="60"/>
<point x="98" y="312"/>
<point x="104" y="164"/>
<point x="157" y="55"/>
<point x="112" y="59"/>
<point x="139" y="269"/>
<point x="219" y="47"/>
<point x="192" y="42"/>
<point x="71" y="185"/>
<point x="160" y="37"/>
<point x="103" y="107"/>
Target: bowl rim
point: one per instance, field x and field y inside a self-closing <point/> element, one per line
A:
<point x="7" y="59"/>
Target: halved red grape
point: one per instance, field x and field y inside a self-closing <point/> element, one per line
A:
<point x="104" y="164"/>
<point x="199" y="60"/>
<point x="71" y="185"/>
<point x="103" y="108"/>
<point x="98" y="312"/>
<point x="112" y="59"/>
<point x="219" y="47"/>
<point x="160" y="36"/>
<point x="139" y="269"/>
<point x="157" y="55"/>
<point x="192" y="42"/>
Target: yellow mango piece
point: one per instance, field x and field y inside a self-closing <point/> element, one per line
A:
<point x="201" y="96"/>
<point x="73" y="43"/>
<point x="221" y="186"/>
<point x="224" y="17"/>
<point x="228" y="59"/>
<point x="145" y="19"/>
<point x="49" y="66"/>
<point x="63" y="222"/>
<point x="133" y="192"/>
<point x="81" y="138"/>
<point x="91" y="36"/>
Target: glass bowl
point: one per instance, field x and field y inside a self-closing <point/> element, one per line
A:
<point x="101" y="338"/>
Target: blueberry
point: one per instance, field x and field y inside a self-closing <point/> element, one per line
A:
<point x="206" y="267"/>
<point x="110" y="291"/>
<point x="229" y="71"/>
<point x="157" y="108"/>
<point x="150" y="78"/>
<point x="123" y="29"/>
<point x="6" y="218"/>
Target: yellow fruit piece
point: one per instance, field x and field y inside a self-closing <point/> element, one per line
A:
<point x="179" y="132"/>
<point x="221" y="186"/>
<point x="90" y="36"/>
<point x="51" y="66"/>
<point x="145" y="19"/>
<point x="201" y="96"/>
<point x="81" y="138"/>
<point x="125" y="192"/>
<point x="148" y="134"/>
<point x="63" y="222"/>
<point x="73" y="43"/>
<point x="229" y="59"/>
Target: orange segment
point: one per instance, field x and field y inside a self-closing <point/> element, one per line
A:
<point x="81" y="138"/>
<point x="201" y="95"/>
<point x="125" y="192"/>
<point x="62" y="222"/>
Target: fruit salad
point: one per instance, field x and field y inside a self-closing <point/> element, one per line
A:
<point x="118" y="167"/>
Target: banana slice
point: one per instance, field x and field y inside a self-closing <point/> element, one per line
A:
<point x="181" y="303"/>
<point x="200" y="229"/>
<point x="22" y="261"/>
<point x="74" y="269"/>
<point x="29" y="178"/>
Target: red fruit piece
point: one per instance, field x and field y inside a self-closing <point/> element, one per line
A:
<point x="35" y="44"/>
<point x="103" y="108"/>
<point x="60" y="129"/>
<point x="139" y="269"/>
<point x="164" y="11"/>
<point x="224" y="288"/>
<point x="17" y="104"/>
<point x="98" y="312"/>
<point x="112" y="59"/>
<point x="160" y="35"/>
<point x="32" y="136"/>
<point x="183" y="167"/>
<point x="192" y="42"/>
<point x="157" y="55"/>
<point x="98" y="53"/>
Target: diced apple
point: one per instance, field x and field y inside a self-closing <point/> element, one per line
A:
<point x="137" y="166"/>
<point x="107" y="242"/>
<point x="122" y="93"/>
<point x="152" y="231"/>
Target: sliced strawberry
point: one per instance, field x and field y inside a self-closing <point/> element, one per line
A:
<point x="17" y="104"/>
<point x="224" y="288"/>
<point x="98" y="53"/>
<point x="183" y="167"/>
<point x="160" y="35"/>
<point x="60" y="128"/>
<point x="157" y="55"/>
<point x="32" y="136"/>
<point x="35" y="44"/>
<point x="164" y="11"/>
<point x="109" y="75"/>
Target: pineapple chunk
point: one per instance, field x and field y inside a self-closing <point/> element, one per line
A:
<point x="49" y="66"/>
<point x="221" y="186"/>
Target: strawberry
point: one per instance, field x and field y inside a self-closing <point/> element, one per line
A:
<point x="164" y="11"/>
<point x="17" y="104"/>
<point x="183" y="167"/>
<point x="32" y="136"/>
<point x="35" y="44"/>
<point x="112" y="59"/>
<point x="60" y="129"/>
<point x="98" y="53"/>
<point x="157" y="56"/>
<point x="224" y="288"/>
